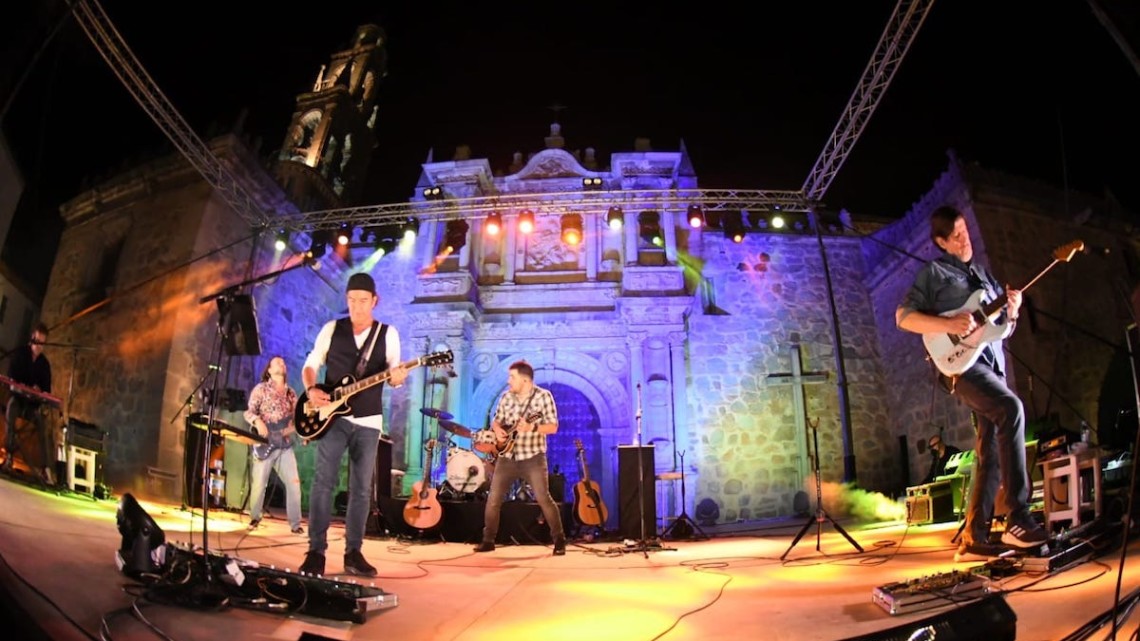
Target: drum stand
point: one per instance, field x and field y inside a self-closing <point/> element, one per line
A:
<point x="683" y="526"/>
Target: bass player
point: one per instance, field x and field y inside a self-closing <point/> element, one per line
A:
<point x="940" y="287"/>
<point x="525" y="416"/>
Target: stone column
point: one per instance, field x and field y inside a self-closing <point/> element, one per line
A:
<point x="631" y="232"/>
<point x="592" y="239"/>
<point x="635" y="342"/>
<point x="669" y="235"/>
<point x="428" y="237"/>
<point x="677" y="377"/>
<point x="510" y="224"/>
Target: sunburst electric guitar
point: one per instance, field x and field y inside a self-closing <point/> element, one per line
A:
<point x="953" y="354"/>
<point x="311" y="421"/>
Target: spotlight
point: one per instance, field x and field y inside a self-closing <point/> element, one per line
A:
<point x="494" y="223"/>
<point x="320" y="242"/>
<point x="572" y="229"/>
<point x="592" y="183"/>
<point x="649" y="226"/>
<point x="696" y="216"/>
<point x="281" y="241"/>
<point x="733" y="224"/>
<point x="433" y="193"/>
<point x="344" y="234"/>
<point x="455" y="235"/>
<point x="526" y="221"/>
<point x="141" y="550"/>
<point x="614" y="218"/>
<point x="410" y="229"/>
<point x="778" y="222"/>
<point x="386" y="246"/>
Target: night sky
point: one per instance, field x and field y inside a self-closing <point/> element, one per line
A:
<point x="1033" y="88"/>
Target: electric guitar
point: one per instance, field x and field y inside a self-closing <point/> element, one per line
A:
<point x="953" y="354"/>
<point x="588" y="506"/>
<point x="506" y="446"/>
<point x="423" y="510"/>
<point x="311" y="421"/>
<point x="273" y="442"/>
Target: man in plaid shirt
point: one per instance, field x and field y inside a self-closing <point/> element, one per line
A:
<point x="525" y="416"/>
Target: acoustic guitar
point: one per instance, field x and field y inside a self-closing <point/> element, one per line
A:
<point x="588" y="506"/>
<point x="423" y="510"/>
<point x="953" y="354"/>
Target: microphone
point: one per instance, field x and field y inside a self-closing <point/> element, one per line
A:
<point x="1096" y="250"/>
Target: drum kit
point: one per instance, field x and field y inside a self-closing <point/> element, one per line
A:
<point x="468" y="470"/>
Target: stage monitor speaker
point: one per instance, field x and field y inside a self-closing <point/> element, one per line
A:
<point x="990" y="618"/>
<point x="239" y="318"/>
<point x="383" y="473"/>
<point x="629" y="494"/>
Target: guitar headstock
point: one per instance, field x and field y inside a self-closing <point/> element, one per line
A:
<point x="578" y="444"/>
<point x="429" y="445"/>
<point x="1065" y="253"/>
<point x="436" y="359"/>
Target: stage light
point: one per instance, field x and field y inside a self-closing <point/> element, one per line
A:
<point x="494" y="224"/>
<point x="649" y="227"/>
<point x="733" y="224"/>
<point x="281" y="241"/>
<point x="320" y="243"/>
<point x="571" y="229"/>
<point x="410" y="229"/>
<point x="526" y="221"/>
<point x="386" y="246"/>
<point x="696" y="216"/>
<point x="593" y="183"/>
<point x="433" y="193"/>
<point x="141" y="550"/>
<point x="778" y="222"/>
<point x="455" y="235"/>
<point x="614" y="218"/>
<point x="344" y="234"/>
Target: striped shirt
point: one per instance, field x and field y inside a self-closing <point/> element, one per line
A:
<point x="510" y="412"/>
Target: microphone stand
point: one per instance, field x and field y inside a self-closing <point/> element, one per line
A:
<point x="642" y="543"/>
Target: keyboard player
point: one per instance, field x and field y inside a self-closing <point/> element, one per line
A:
<point x="30" y="368"/>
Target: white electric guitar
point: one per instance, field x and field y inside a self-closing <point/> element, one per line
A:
<point x="953" y="354"/>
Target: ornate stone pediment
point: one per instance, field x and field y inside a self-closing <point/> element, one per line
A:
<point x="601" y="334"/>
<point x="435" y="321"/>
<point x="652" y="279"/>
<point x="655" y="311"/>
<point x="447" y="286"/>
<point x="552" y="163"/>
<point x="543" y="298"/>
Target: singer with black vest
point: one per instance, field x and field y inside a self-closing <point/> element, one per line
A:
<point x="525" y="416"/>
<point x="357" y="346"/>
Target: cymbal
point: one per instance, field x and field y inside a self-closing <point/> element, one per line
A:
<point x="434" y="413"/>
<point x="455" y="428"/>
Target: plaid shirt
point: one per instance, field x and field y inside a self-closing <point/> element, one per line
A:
<point x="510" y="411"/>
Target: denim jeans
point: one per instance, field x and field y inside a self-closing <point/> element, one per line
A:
<point x="361" y="445"/>
<point x="285" y="462"/>
<point x="29" y="411"/>
<point x="533" y="471"/>
<point x="999" y="454"/>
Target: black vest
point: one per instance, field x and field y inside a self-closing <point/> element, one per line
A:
<point x="341" y="361"/>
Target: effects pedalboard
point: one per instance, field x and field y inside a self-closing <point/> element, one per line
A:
<point x="929" y="592"/>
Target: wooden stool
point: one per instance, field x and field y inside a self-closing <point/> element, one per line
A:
<point x="86" y="458"/>
<point x="1065" y="489"/>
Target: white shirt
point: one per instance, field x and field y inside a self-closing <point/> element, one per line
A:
<point x="316" y="360"/>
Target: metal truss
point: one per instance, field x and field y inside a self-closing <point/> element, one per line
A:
<point x="540" y="203"/>
<point x="110" y="44"/>
<point x="897" y="37"/>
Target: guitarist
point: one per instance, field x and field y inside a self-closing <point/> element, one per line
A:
<point x="526" y="459"/>
<point x="357" y="346"/>
<point x="270" y="412"/>
<point x="942" y="285"/>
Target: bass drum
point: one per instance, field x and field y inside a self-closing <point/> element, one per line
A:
<point x="465" y="471"/>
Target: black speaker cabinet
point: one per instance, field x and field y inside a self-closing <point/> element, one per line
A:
<point x="383" y="470"/>
<point x="192" y="462"/>
<point x="630" y="493"/>
<point x="239" y="318"/>
<point x="989" y="618"/>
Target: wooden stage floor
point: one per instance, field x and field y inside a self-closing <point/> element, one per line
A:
<point x="58" y="565"/>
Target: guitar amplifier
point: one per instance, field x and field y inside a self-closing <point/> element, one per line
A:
<point x="86" y="436"/>
<point x="930" y="503"/>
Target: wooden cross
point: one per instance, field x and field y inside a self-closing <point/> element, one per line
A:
<point x="797" y="379"/>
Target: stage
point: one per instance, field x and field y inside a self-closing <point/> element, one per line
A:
<point x="59" y="567"/>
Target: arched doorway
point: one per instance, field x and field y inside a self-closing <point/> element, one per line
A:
<point x="577" y="419"/>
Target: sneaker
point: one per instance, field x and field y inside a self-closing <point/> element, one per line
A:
<point x="254" y="523"/>
<point x="354" y="563"/>
<point x="485" y="546"/>
<point x="314" y="564"/>
<point x="1024" y="533"/>
<point x="298" y="530"/>
<point x="560" y="546"/>
<point x="968" y="552"/>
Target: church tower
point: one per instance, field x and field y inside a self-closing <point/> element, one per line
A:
<point x="328" y="145"/>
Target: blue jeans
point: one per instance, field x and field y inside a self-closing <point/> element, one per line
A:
<point x="999" y="454"/>
<point x="533" y="471"/>
<point x="361" y="445"/>
<point x="285" y="462"/>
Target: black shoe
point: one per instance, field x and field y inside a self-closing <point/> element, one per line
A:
<point x="1024" y="533"/>
<point x="254" y="523"/>
<point x="298" y="530"/>
<point x="314" y="564"/>
<point x="560" y="546"/>
<point x="485" y="546"/>
<point x="354" y="563"/>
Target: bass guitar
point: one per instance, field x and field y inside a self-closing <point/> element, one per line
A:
<point x="311" y="421"/>
<point x="423" y="510"/>
<point x="273" y="442"/>
<point x="588" y="506"/>
<point x="953" y="354"/>
<point x="506" y="446"/>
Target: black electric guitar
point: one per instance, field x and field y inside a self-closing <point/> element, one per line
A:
<point x="506" y="446"/>
<point x="953" y="354"/>
<point x="311" y="422"/>
<point x="588" y="506"/>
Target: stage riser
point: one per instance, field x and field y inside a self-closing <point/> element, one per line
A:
<point x="462" y="522"/>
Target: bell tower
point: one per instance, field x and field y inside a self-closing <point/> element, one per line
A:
<point x="328" y="145"/>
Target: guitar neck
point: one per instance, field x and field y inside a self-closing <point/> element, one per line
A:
<point x="375" y="379"/>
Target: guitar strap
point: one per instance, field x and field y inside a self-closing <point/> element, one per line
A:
<point x="366" y="351"/>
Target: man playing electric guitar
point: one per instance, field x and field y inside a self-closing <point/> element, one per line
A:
<point x="270" y="412"/>
<point x="525" y="458"/>
<point x="944" y="285"/>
